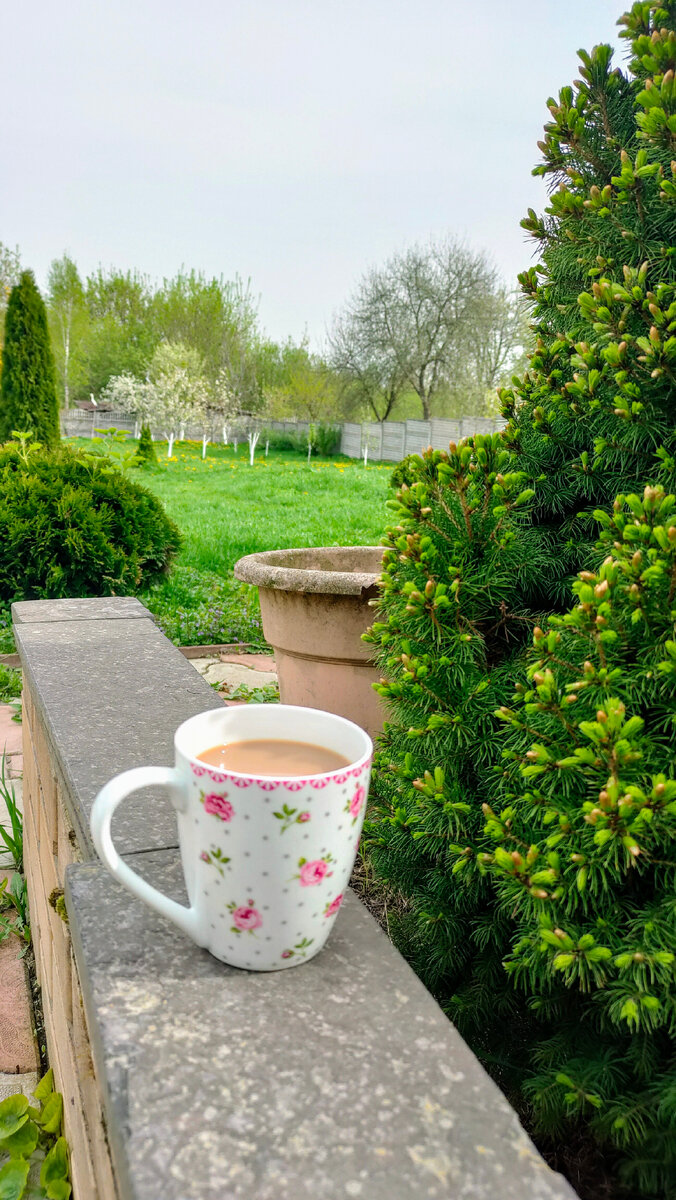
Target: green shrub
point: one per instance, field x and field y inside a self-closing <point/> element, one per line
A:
<point x="283" y="440"/>
<point x="28" y="382"/>
<point x="10" y="683"/>
<point x="7" y="645"/>
<point x="488" y="541"/>
<point x="72" y="525"/>
<point x="145" y="452"/>
<point x="326" y="440"/>
<point x="595" y="413"/>
<point x="578" y="846"/>
<point x="406" y="471"/>
<point x="537" y="853"/>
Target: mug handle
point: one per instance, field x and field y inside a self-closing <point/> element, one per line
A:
<point x="102" y="814"/>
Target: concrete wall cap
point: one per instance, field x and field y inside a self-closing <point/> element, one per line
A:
<point x="94" y="608"/>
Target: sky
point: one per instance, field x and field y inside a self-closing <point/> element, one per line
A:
<point x="295" y="143"/>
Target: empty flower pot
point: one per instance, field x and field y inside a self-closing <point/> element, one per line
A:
<point x="314" y="606"/>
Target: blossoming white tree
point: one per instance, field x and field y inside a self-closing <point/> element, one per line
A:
<point x="180" y="393"/>
<point x="224" y="403"/>
<point x="129" y="394"/>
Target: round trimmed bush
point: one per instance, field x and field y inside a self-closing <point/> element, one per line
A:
<point x="72" y="525"/>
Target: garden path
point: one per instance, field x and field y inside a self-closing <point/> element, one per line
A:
<point x="232" y="671"/>
<point x="18" y="1052"/>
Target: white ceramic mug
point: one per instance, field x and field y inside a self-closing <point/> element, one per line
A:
<point x="266" y="859"/>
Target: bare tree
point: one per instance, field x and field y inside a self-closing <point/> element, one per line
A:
<point x="501" y="337"/>
<point x="410" y="322"/>
<point x="370" y="371"/>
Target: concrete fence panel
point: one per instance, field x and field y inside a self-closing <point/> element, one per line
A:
<point x="350" y="442"/>
<point x="394" y="440"/>
<point x="418" y="436"/>
<point x="389" y="441"/>
<point x="443" y="432"/>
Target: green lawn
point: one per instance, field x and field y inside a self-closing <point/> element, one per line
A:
<point x="225" y="508"/>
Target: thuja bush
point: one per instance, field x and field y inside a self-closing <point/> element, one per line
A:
<point x="27" y="380"/>
<point x="72" y="525"/>
<point x="145" y="452"/>
<point x="539" y="862"/>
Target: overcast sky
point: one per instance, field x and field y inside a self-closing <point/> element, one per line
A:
<point x="292" y="142"/>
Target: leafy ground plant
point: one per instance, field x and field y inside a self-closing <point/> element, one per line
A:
<point x="6" y="636"/>
<point x="10" y="684"/>
<point x="33" y="1154"/>
<point x="267" y="694"/>
<point x="14" y="911"/>
<point x="11" y="834"/>
<point x="199" y="608"/>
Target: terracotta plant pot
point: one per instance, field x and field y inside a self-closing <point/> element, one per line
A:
<point x="314" y="605"/>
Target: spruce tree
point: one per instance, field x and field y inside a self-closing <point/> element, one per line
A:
<point x="28" y="400"/>
<point x="488" y="540"/>
<point x="596" y="410"/>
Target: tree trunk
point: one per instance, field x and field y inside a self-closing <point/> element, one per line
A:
<point x="170" y="444"/>
<point x="66" y="366"/>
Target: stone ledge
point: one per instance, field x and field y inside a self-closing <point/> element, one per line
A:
<point x="97" y="608"/>
<point x="339" y="1078"/>
<point x="110" y="694"/>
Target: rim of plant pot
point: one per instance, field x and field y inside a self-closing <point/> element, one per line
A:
<point x="336" y="570"/>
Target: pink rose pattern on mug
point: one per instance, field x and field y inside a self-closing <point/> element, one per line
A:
<point x="314" y="875"/>
<point x="266" y="861"/>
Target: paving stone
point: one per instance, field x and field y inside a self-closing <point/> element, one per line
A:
<point x="10" y="731"/>
<point x="18" y="1085"/>
<point x="232" y="674"/>
<point x="15" y="766"/>
<point x="18" y="1051"/>
<point x="257" y="662"/>
<point x="338" y="1078"/>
